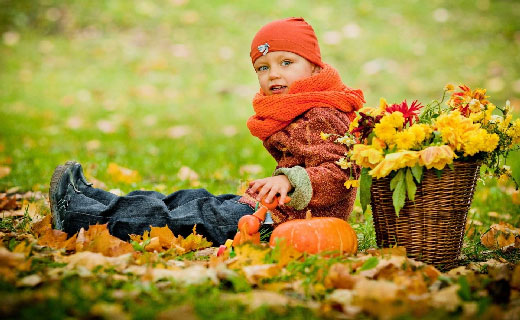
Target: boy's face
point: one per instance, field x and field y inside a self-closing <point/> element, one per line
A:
<point x="277" y="70"/>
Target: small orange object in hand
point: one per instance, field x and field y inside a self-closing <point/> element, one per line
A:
<point x="249" y="225"/>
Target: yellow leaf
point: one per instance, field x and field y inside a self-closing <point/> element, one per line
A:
<point x="122" y="174"/>
<point x="194" y="241"/>
<point x="166" y="237"/>
<point x="4" y="171"/>
<point x="98" y="239"/>
<point x="248" y="254"/>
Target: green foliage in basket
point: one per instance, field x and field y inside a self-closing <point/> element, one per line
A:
<point x="400" y="140"/>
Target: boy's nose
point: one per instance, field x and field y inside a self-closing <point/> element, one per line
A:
<point x="274" y="73"/>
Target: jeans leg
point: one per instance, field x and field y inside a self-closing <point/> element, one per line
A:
<point x="216" y="217"/>
<point x="99" y="195"/>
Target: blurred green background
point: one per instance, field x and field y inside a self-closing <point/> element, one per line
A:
<point x="164" y="87"/>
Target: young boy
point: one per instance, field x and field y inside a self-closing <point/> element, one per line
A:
<point x="299" y="97"/>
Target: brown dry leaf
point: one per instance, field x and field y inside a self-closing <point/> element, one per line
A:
<point x="255" y="273"/>
<point x="501" y="236"/>
<point x="185" y="312"/>
<point x="162" y="239"/>
<point x="154" y="245"/>
<point x="339" y="277"/>
<point x="4" y="171"/>
<point x="195" y="274"/>
<point x="446" y="298"/>
<point x="40" y="227"/>
<point x="23" y="247"/>
<point x="90" y="260"/>
<point x="431" y="272"/>
<point x="53" y="238"/>
<point x="378" y="290"/>
<point x="11" y="262"/>
<point x="98" y="239"/>
<point x="8" y="202"/>
<point x="166" y="237"/>
<point x="29" y="281"/>
<point x="33" y="209"/>
<point x="257" y="298"/>
<point x="122" y="174"/>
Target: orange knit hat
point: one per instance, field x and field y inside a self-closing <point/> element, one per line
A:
<point x="291" y="34"/>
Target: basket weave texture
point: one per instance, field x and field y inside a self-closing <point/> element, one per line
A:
<point x="431" y="228"/>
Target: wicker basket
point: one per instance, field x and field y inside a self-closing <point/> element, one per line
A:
<point x="432" y="227"/>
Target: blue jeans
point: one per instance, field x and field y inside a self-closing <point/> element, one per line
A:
<point x="216" y="217"/>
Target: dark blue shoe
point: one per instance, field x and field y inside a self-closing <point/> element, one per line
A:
<point x="68" y="175"/>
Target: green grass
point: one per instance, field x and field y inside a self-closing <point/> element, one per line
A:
<point x="148" y="66"/>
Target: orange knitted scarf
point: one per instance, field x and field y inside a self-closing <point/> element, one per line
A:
<point x="325" y="89"/>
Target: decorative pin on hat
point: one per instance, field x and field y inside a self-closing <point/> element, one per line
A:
<point x="264" y="48"/>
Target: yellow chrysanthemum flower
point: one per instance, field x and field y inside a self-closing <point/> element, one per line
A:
<point x="385" y="132"/>
<point x="394" y="119"/>
<point x="480" y="140"/>
<point x="514" y="131"/>
<point x="488" y="113"/>
<point x="395" y="161"/>
<point x="454" y="127"/>
<point x="421" y="132"/>
<point x="449" y="87"/>
<point x="477" y="117"/>
<point x="436" y="157"/>
<point x="351" y="184"/>
<point x="405" y="140"/>
<point x="366" y="156"/>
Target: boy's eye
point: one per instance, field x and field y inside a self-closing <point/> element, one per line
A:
<point x="286" y="62"/>
<point x="262" y="68"/>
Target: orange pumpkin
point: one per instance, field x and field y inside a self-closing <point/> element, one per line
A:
<point x="315" y="235"/>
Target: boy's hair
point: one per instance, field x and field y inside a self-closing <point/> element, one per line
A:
<point x="290" y="34"/>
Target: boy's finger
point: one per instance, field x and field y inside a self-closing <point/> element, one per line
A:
<point x="271" y="195"/>
<point x="283" y="194"/>
<point x="262" y="193"/>
<point x="255" y="187"/>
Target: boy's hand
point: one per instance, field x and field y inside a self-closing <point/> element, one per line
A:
<point x="270" y="187"/>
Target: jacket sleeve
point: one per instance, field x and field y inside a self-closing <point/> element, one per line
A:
<point x="319" y="182"/>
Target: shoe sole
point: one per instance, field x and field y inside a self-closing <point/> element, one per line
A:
<point x="55" y="181"/>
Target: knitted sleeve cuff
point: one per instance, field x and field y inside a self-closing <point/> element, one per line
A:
<point x="299" y="178"/>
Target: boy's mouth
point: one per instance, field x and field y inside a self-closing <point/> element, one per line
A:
<point x="277" y="89"/>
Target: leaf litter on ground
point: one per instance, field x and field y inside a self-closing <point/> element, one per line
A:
<point x="378" y="283"/>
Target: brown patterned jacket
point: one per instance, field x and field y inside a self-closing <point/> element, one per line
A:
<point x="308" y="161"/>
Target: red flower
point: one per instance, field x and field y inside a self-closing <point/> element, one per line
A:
<point x="366" y="125"/>
<point x="409" y="113"/>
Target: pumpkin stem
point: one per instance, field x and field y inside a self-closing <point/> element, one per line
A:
<point x="308" y="214"/>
